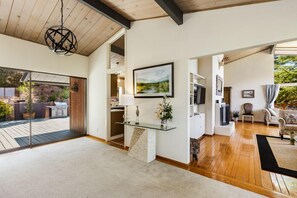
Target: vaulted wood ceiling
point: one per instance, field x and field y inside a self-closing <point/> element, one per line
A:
<point x="29" y="19"/>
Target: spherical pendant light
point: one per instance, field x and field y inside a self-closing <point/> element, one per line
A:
<point x="60" y="39"/>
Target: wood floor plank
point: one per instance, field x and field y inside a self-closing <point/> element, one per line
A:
<point x="9" y="139"/>
<point x="1" y="146"/>
<point x="242" y="171"/>
<point x="5" y="142"/>
<point x="252" y="178"/>
<point x="257" y="165"/>
<point x="282" y="185"/>
<point x="275" y="184"/>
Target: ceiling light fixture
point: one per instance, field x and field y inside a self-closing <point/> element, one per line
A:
<point x="60" y="39"/>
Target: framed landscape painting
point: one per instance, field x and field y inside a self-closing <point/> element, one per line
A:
<point x="154" y="81"/>
<point x="248" y="93"/>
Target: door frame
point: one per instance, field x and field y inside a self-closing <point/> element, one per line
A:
<point x="108" y="73"/>
<point x="30" y="144"/>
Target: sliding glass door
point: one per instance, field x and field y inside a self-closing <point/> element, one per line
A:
<point x="36" y="108"/>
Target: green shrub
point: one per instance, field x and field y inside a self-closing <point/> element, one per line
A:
<point x="5" y="110"/>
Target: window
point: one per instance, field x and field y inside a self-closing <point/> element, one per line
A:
<point x="285" y="74"/>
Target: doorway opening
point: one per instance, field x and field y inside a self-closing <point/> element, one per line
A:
<point x="116" y="76"/>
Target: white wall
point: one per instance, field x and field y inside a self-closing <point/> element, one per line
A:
<point x="97" y="92"/>
<point x="156" y="41"/>
<point x="193" y="66"/>
<point x="21" y="54"/>
<point x="209" y="68"/>
<point x="252" y="72"/>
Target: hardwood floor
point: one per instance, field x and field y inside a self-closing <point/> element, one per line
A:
<point x="119" y="142"/>
<point x="235" y="160"/>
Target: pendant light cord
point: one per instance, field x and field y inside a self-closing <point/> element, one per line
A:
<point x="62" y="16"/>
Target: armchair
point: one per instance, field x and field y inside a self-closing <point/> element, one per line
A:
<point x="287" y="123"/>
<point x="270" y="118"/>
<point x="247" y="112"/>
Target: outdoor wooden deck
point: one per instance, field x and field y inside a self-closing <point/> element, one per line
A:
<point x="15" y="134"/>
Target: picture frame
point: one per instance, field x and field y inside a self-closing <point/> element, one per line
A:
<point x="248" y="93"/>
<point x="219" y="85"/>
<point x="154" y="81"/>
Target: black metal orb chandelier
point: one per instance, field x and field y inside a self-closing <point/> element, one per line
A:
<point x="60" y="39"/>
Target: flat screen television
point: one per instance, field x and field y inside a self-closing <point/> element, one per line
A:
<point x="199" y="94"/>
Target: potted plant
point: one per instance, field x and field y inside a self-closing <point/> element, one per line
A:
<point x="235" y="115"/>
<point x="24" y="89"/>
<point x="74" y="88"/>
<point x="28" y="110"/>
<point x="164" y="111"/>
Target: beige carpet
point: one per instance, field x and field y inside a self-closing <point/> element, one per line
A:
<point x="284" y="153"/>
<point x="87" y="168"/>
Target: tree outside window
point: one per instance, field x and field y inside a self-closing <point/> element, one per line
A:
<point x="285" y="72"/>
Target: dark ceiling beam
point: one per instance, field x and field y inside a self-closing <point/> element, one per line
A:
<point x="172" y="10"/>
<point x="108" y="12"/>
<point x="272" y="49"/>
<point x="117" y="50"/>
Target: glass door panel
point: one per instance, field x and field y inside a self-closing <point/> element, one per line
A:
<point x="50" y="105"/>
<point x="14" y="107"/>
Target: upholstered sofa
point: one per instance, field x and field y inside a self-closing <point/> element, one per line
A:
<point x="271" y="116"/>
<point x="287" y="122"/>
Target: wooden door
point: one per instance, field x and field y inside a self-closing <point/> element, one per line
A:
<point x="227" y="98"/>
<point x="78" y="106"/>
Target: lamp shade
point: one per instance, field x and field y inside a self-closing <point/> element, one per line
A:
<point x="126" y="99"/>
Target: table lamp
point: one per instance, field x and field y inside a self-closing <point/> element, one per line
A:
<point x="126" y="100"/>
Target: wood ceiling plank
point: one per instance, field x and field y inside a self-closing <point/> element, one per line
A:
<point x="24" y="17"/>
<point x="55" y="17"/>
<point x="103" y="26"/>
<point x="14" y="17"/>
<point x="47" y="10"/>
<point x="76" y="16"/>
<point x="131" y="8"/>
<point x="102" y="38"/>
<point x="100" y="26"/>
<point x="35" y="15"/>
<point x="108" y="12"/>
<point x="89" y="21"/>
<point x="5" y="9"/>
